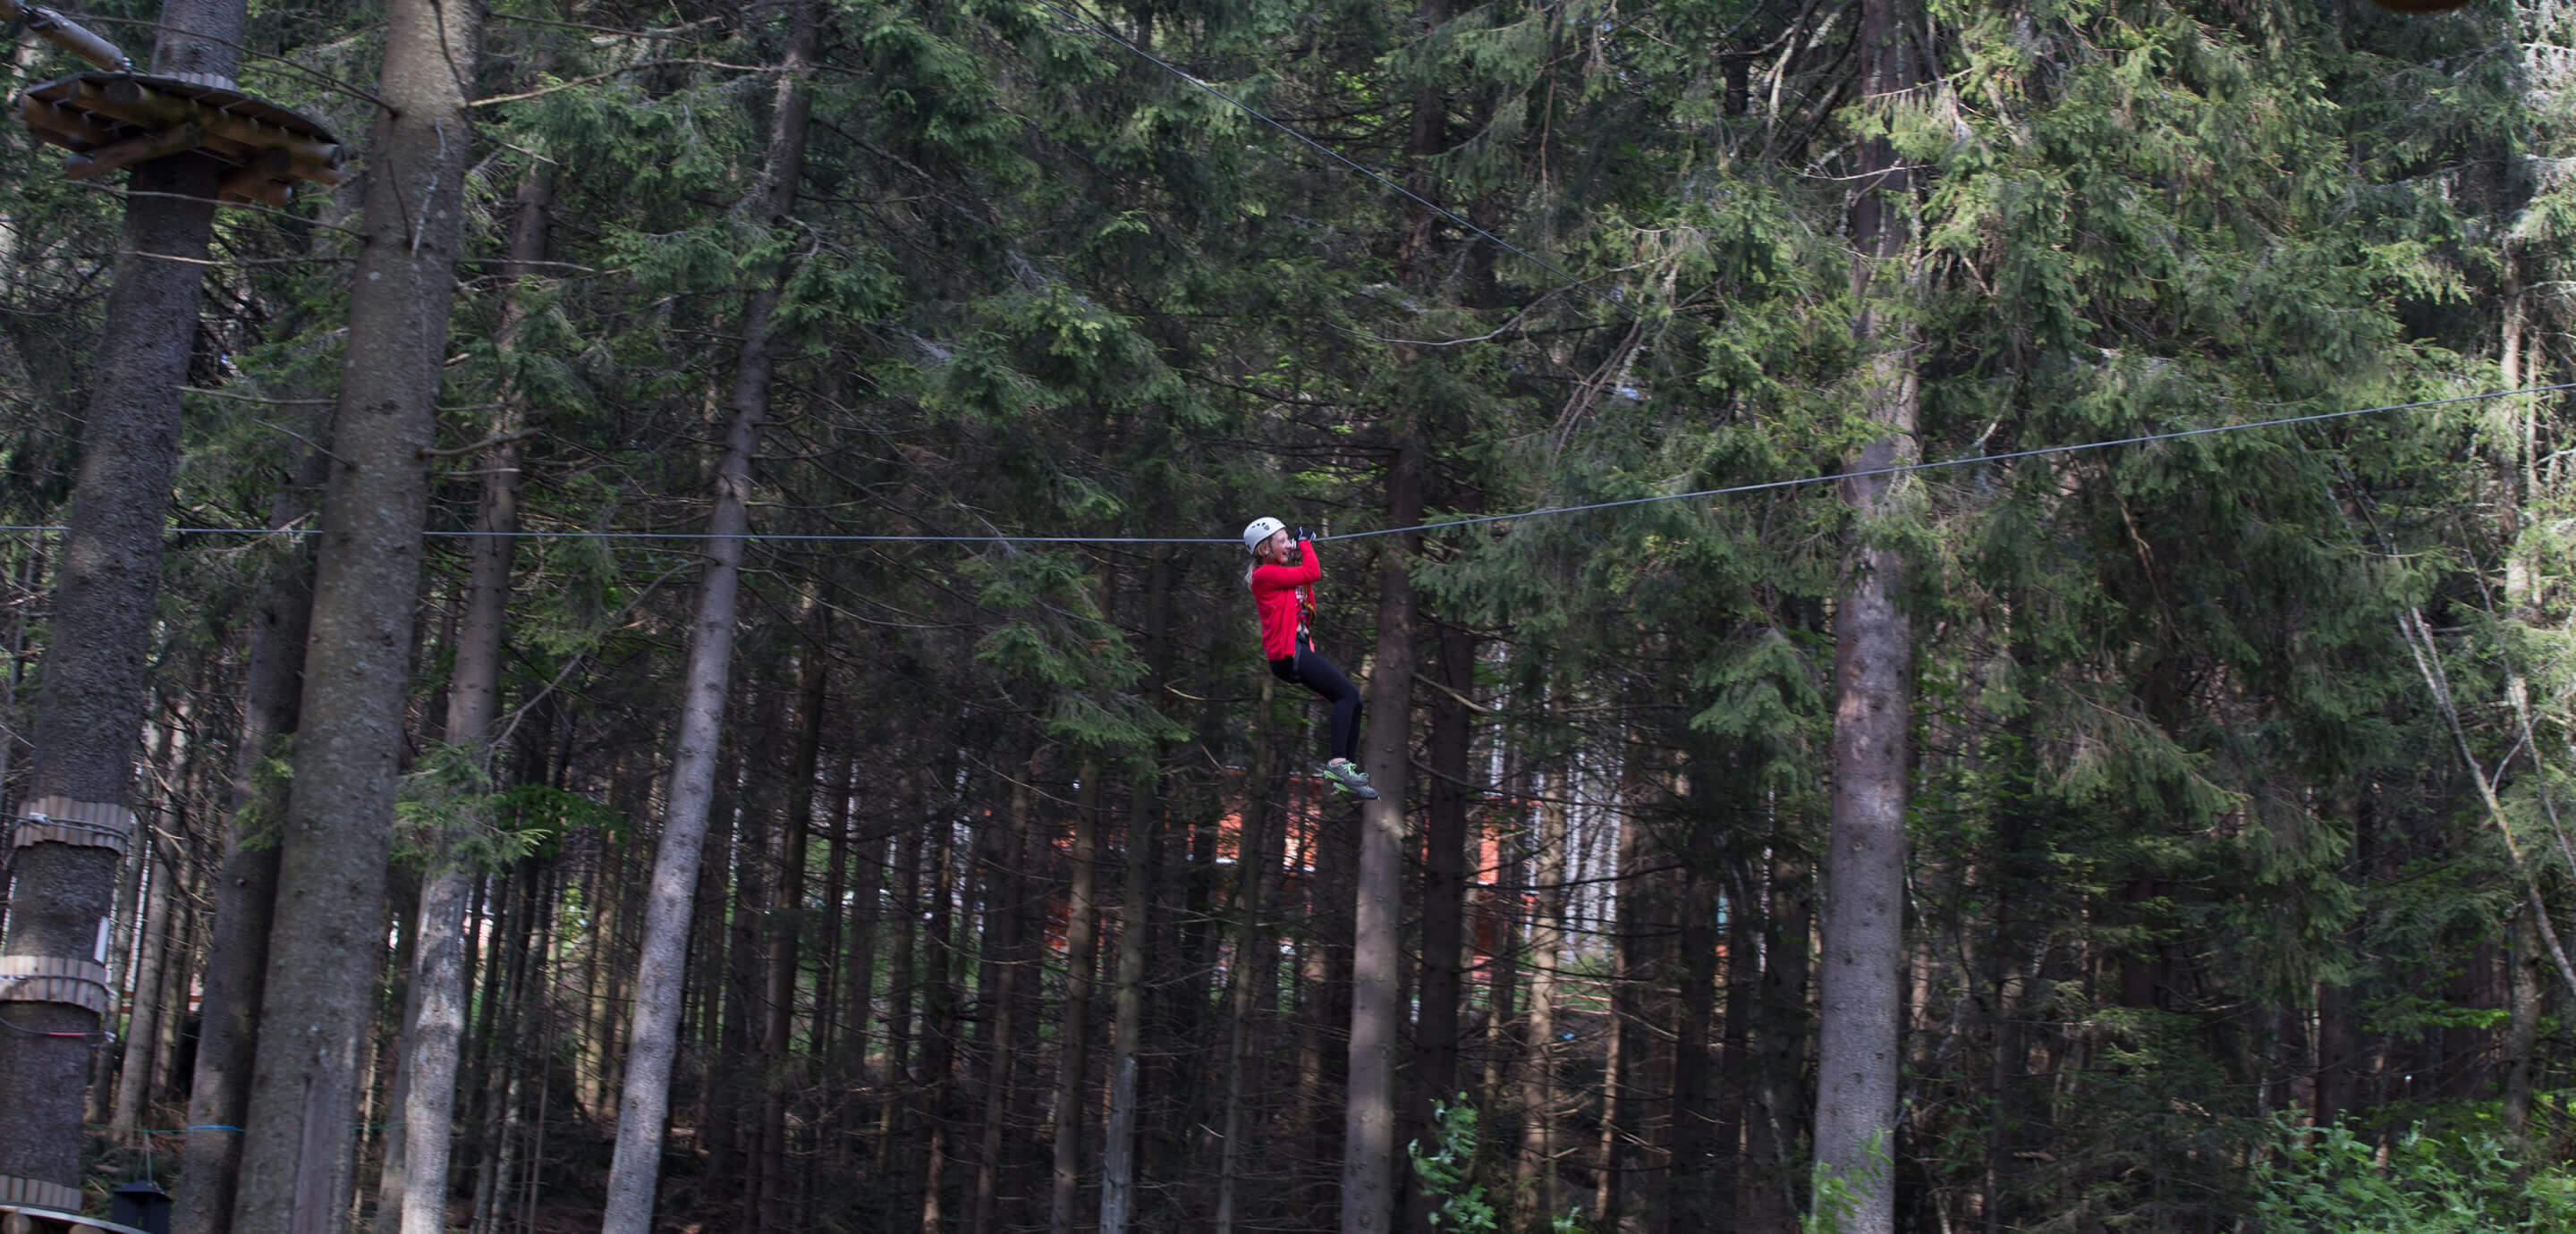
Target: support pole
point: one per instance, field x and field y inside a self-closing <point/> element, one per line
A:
<point x="67" y="34"/>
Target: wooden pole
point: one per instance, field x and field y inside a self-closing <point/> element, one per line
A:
<point x="134" y="150"/>
<point x="66" y="121"/>
<point x="65" y="33"/>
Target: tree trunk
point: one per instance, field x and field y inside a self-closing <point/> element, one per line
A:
<point x="708" y="957"/>
<point x="892" y="1122"/>
<point x="731" y="1130"/>
<point x="1862" y="981"/>
<point x="1690" y="1187"/>
<point x="1251" y="939"/>
<point x="131" y="878"/>
<point x="331" y="875"/>
<point x="1444" y="900"/>
<point x="245" y="889"/>
<point x="1768" y="1196"/>
<point x="645" y="1099"/>
<point x="1324" y="1012"/>
<point x="1005" y="923"/>
<point x="1127" y="1011"/>
<point x="858" y="992"/>
<point x="787" y="912"/>
<point x="1135" y="909"/>
<point x="179" y="965"/>
<point x="838" y="847"/>
<point x="416" y="1163"/>
<point x="1377" y="1009"/>
<point x="94" y="694"/>
<point x="143" y="1026"/>
<point x="937" y="1081"/>
<point x="1639" y="917"/>
<point x="1534" y="1174"/>
<point x="601" y="961"/>
<point x="1081" y="957"/>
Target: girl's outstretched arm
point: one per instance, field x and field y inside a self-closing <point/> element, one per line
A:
<point x="1306" y="571"/>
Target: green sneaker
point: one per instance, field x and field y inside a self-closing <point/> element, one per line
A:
<point x="1347" y="777"/>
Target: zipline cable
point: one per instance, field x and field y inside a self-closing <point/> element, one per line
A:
<point x="1337" y="156"/>
<point x="1963" y="461"/>
<point x="1443" y="525"/>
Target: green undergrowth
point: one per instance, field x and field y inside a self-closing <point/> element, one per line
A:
<point x="2414" y="1181"/>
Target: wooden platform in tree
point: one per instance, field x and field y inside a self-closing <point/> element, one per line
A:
<point x="111" y="120"/>
<point x="19" y="1219"/>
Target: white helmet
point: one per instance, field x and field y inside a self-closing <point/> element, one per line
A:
<point x="1259" y="532"/>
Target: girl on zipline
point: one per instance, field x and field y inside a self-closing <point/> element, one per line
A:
<point x="1284" y="594"/>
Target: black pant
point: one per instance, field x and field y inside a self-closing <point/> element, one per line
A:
<point x="1310" y="669"/>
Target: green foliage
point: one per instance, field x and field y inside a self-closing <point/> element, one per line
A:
<point x="2410" y="1182"/>
<point x="448" y="807"/>
<point x="1834" y="1196"/>
<point x="1447" y="1172"/>
<point x="1447" y="1175"/>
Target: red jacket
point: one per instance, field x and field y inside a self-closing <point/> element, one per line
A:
<point x="1275" y="593"/>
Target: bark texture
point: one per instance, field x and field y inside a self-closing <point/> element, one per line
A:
<point x="246" y="889"/>
<point x="416" y="1162"/>
<point x="327" y="938"/>
<point x="89" y="713"/>
<point x="1377" y="958"/>
<point x="1861" y="984"/>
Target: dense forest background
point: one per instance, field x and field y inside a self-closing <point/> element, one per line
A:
<point x="848" y="875"/>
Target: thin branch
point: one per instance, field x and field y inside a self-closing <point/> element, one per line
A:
<point x="638" y="66"/>
<point x="485" y="444"/>
<point x="674" y="33"/>
<point x="513" y="261"/>
<point x="309" y="443"/>
<point x="240" y="261"/>
<point x="253" y="398"/>
<point x="221" y="205"/>
<point x="2427" y="656"/>
<point x="574" y="661"/>
<point x="1454" y="696"/>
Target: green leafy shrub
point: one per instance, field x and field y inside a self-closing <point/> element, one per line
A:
<point x="2328" y="1178"/>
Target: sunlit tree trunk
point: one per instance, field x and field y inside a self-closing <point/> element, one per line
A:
<point x="644" y="1100"/>
<point x="143" y="1027"/>
<point x="1534" y="1171"/>
<point x="1862" y="977"/>
<point x="417" y="1147"/>
<point x="324" y="950"/>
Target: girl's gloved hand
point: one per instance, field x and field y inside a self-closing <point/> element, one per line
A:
<point x="1304" y="535"/>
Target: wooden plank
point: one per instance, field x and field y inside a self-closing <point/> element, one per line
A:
<point x="38" y="1219"/>
<point x="70" y="122"/>
<point x="262" y="179"/>
<point x="134" y="150"/>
